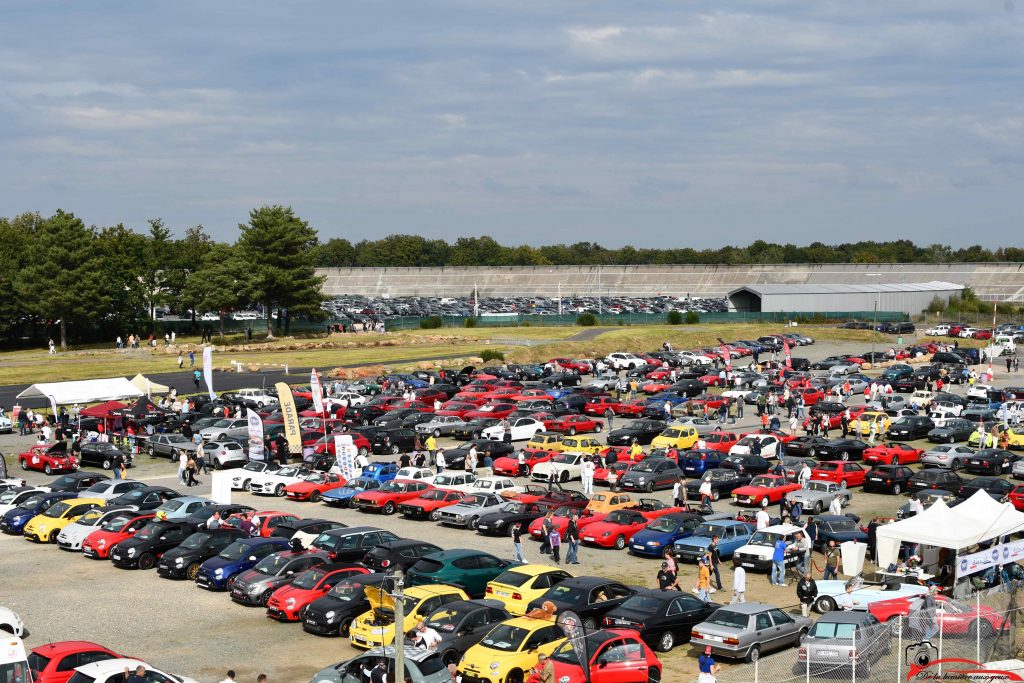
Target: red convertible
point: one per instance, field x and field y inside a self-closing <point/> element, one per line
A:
<point x="97" y="545"/>
<point x="894" y="453"/>
<point x="497" y="410"/>
<point x="573" y="424"/>
<point x="429" y="503"/>
<point x="561" y="520"/>
<point x="388" y="497"/>
<point x="844" y="473"/>
<point x="313" y="487"/>
<point x="326" y="444"/>
<point x="957" y="618"/>
<point x="608" y="475"/>
<point x="770" y="487"/>
<point x="618" y="527"/>
<point x="580" y="366"/>
<point x="509" y="465"/>
<point x="601" y="405"/>
<point x="456" y="408"/>
<point x="49" y="459"/>
<point x="711" y="401"/>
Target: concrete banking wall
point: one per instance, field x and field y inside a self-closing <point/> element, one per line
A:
<point x="991" y="281"/>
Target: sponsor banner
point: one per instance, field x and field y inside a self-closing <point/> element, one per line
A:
<point x="345" y="456"/>
<point x="291" y="417"/>
<point x="1000" y="554"/>
<point x="789" y="358"/>
<point x="208" y="370"/>
<point x="256" y="451"/>
<point x="317" y="391"/>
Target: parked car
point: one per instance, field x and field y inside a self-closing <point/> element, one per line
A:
<point x="170" y="445"/>
<point x="468" y="511"/>
<point x="838" y="528"/>
<point x="182" y="562"/>
<point x="732" y="535"/>
<point x="952" y="457"/>
<point x="332" y="614"/>
<point x="893" y="479"/>
<point x="254" y="586"/>
<point x="145" y="546"/>
<point x="946" y="480"/>
<point x="240" y="479"/>
<point x="102" y="454"/>
<point x="746" y="630"/>
<point x="843" y="644"/>
<point x="590" y="597"/>
<point x="351" y="544"/>
<point x="818" y="494"/>
<point x="219" y="572"/>
<point x="377" y="626"/>
<point x="397" y="554"/>
<point x="470" y="570"/>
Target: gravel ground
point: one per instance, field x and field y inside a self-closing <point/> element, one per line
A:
<point x="187" y="630"/>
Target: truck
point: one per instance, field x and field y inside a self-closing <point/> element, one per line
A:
<point x="13" y="660"/>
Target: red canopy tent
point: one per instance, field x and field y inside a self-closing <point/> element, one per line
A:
<point x="102" y="410"/>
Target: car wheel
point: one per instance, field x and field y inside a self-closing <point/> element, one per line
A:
<point x="715" y="495"/>
<point x="247" y="484"/>
<point x="666" y="642"/>
<point x="514" y="676"/>
<point x="477" y="435"/>
<point x="473" y="523"/>
<point x="952" y="439"/>
<point x="824" y="604"/>
<point x="395" y="450"/>
<point x="650" y="487"/>
<point x="315" y="497"/>
<point x="435" y="515"/>
<point x="389" y="508"/>
<point x="753" y="654"/>
<point x="897" y="489"/>
<point x="894" y="461"/>
<point x="450" y="657"/>
<point x="53" y="537"/>
<point x="279" y="491"/>
<point x="106" y="464"/>
<point x="24" y="463"/>
<point x="343" y="627"/>
<point x="817" y="507"/>
<point x="146" y="561"/>
<point x="955" y="465"/>
<point x="151" y="451"/>
<point x="231" y="581"/>
<point x="363" y="450"/>
<point x="437" y="433"/>
<point x="259" y="404"/>
<point x="193" y="571"/>
<point x="653" y="675"/>
<point x="765" y="501"/>
<point x="564" y="476"/>
<point x="265" y="597"/>
<point x="598" y="429"/>
<point x="48" y="469"/>
<point x="620" y="542"/>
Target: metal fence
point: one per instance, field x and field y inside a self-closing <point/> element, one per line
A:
<point x="981" y="628"/>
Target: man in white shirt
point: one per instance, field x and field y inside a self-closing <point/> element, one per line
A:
<point x="426" y="637"/>
<point x="836" y="506"/>
<point x="439" y="460"/>
<point x="701" y="443"/>
<point x="362" y="462"/>
<point x="705" y="493"/>
<point x="587" y="476"/>
<point x="762" y="519"/>
<point x="804" y="476"/>
<point x="182" y="464"/>
<point x="739" y="585"/>
<point x="916" y="506"/>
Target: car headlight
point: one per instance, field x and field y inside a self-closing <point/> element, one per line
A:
<point x="654" y="544"/>
<point x="131" y="552"/>
<point x="330" y="615"/>
<point x="563" y="679"/>
<point x="179" y="562"/>
<point x="42" y="527"/>
<point x="641" y="480"/>
<point x="219" y="573"/>
<point x="103" y="544"/>
<point x="460" y="518"/>
<point x="253" y="589"/>
<point x="495" y="666"/>
<point x="606" y="534"/>
<point x="290" y="603"/>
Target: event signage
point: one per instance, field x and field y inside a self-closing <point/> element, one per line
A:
<point x="999" y="554"/>
<point x="317" y="391"/>
<point x="345" y="456"/>
<point x="208" y="371"/>
<point x="255" y="435"/>
<point x="291" y="417"/>
<point x="789" y="358"/>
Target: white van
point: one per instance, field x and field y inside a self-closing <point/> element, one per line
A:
<point x="1005" y="341"/>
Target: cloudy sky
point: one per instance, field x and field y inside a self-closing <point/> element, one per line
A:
<point x="645" y="122"/>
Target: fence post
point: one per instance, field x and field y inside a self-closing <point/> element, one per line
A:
<point x="856" y="656"/>
<point x="757" y="670"/>
<point x="899" y="647"/>
<point x="977" y="627"/>
<point x="939" y="619"/>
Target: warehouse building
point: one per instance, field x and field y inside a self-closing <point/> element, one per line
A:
<point x="910" y="298"/>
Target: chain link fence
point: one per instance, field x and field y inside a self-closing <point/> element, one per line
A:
<point x="983" y="627"/>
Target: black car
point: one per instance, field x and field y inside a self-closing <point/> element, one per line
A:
<point x="332" y="614"/>
<point x="747" y="463"/>
<point x="806" y="445"/>
<point x="562" y="379"/>
<point x="990" y="461"/>
<point x="997" y="487"/>
<point x="418" y="417"/>
<point x="723" y="482"/>
<point x="183" y="561"/>
<point x="530" y="373"/>
<point x="463" y="624"/>
<point x="152" y="541"/>
<point x="663" y="618"/>
<point x="690" y="387"/>
<point x="254" y="586"/>
<point x="393" y="418"/>
<point x="393" y="441"/>
<point x="76" y="481"/>
<point x="591" y="597"/>
<point x="400" y="553"/>
<point x="910" y="427"/>
<point x="312" y="526"/>
<point x="350" y="544"/>
<point x="473" y="429"/>
<point x="455" y="459"/>
<point x="202" y="516"/>
<point x="364" y="414"/>
<point x="841" y="449"/>
<point x="642" y="431"/>
<point x="946" y="480"/>
<point x="955" y="429"/>
<point x="650" y="474"/>
<point x="888" y="479"/>
<point x="102" y="454"/>
<point x="511" y="515"/>
<point x="838" y="528"/>
<point x="146" y="498"/>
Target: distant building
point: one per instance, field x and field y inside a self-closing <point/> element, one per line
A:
<point x="910" y="298"/>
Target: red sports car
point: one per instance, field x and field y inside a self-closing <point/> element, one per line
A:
<point x="811" y="395"/>
<point x="618" y="527"/>
<point x="841" y="472"/>
<point x="660" y="373"/>
<point x="712" y="380"/>
<point x="602" y="405"/>
<point x="561" y="521"/>
<point x="770" y="487"/>
<point x="720" y="441"/>
<point x="571" y="365"/>
<point x="388" y="497"/>
<point x="574" y="424"/>
<point x="97" y="545"/>
<point x="48" y="458"/>
<point x="894" y="453"/>
<point x="608" y="475"/>
<point x="656" y="386"/>
<point x="456" y="408"/>
<point x="616" y="656"/>
<point x="496" y="410"/>
<point x="1016" y="496"/>
<point x="287" y="601"/>
<point x="429" y="503"/>
<point x="56" y="662"/>
<point x="531" y="493"/>
<point x="509" y="465"/>
<point x="264" y="520"/>
<point x="472" y="394"/>
<point x="326" y="444"/>
<point x="957" y="618"/>
<point x="314" y="486"/>
<point x="712" y="401"/>
<point x="503" y="393"/>
<point x="531" y="395"/>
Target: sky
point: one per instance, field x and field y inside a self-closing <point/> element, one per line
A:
<point x="645" y="123"/>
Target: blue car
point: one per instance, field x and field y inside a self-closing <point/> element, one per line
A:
<point x="342" y="497"/>
<point x="662" y="533"/>
<point x="556" y="393"/>
<point x="410" y="381"/>
<point x="696" y="463"/>
<point x="732" y="535"/>
<point x="13" y="522"/>
<point x="380" y="471"/>
<point x="218" y="573"/>
<point x="838" y="528"/>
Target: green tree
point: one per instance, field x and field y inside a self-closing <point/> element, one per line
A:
<point x="189" y="254"/>
<point x="158" y="266"/>
<point x="220" y="283"/>
<point x="122" y="261"/>
<point x="335" y="253"/>
<point x="278" y="248"/>
<point x="58" y="281"/>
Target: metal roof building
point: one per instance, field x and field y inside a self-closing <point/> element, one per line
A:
<point x="910" y="298"/>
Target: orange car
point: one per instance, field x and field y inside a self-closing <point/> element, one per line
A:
<point x="603" y="503"/>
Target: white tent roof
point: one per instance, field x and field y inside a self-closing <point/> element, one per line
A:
<point x="977" y="519"/>
<point x="147" y="386"/>
<point x="83" y="391"/>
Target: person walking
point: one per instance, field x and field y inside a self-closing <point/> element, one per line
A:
<point x="707" y="667"/>
<point x="517" y="543"/>
<point x="182" y="466"/>
<point x="761" y="518"/>
<point x="739" y="585"/>
<point x="195" y="378"/>
<point x="716" y="559"/>
<point x="555" y="541"/>
<point x="190" y="472"/>
<point x="546" y="527"/>
<point x="181" y="361"/>
<point x="667" y="578"/>
<point x="831" y="561"/>
<point x="806" y="593"/>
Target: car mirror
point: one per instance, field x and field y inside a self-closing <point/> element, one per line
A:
<point x="602" y="662"/>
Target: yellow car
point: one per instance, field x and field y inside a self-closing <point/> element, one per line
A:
<point x="545" y="442"/>
<point x="581" y="444"/>
<point x="862" y="425"/>
<point x="520" y="586"/>
<point x="991" y="440"/>
<point x="377" y="627"/>
<point x="676" y="437"/>
<point x="43" y="528"/>
<point x="510" y="649"/>
<point x="603" y="503"/>
<point x="1015" y="439"/>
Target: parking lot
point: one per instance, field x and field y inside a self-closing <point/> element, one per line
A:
<point x="64" y="596"/>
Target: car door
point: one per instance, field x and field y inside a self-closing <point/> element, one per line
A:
<point x="620" y="660"/>
<point x="173" y="536"/>
<point x="785" y="629"/>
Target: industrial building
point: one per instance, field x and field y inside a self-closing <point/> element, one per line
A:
<point x="910" y="298"/>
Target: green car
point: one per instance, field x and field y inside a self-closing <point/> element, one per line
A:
<point x="470" y="570"/>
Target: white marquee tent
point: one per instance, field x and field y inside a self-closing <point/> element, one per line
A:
<point x="976" y="520"/>
<point x="83" y="391"/>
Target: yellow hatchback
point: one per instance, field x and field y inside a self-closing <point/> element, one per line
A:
<point x="510" y="649"/>
<point x="603" y="503"/>
<point x="1015" y="439"/>
<point x="45" y="527"/>
<point x="545" y="442"/>
<point x="521" y="585"/>
<point x="581" y="444"/>
<point x="377" y="627"/>
<point x="862" y="425"/>
<point x="676" y="437"/>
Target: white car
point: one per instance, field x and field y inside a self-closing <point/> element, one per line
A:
<point x="415" y="473"/>
<point x="967" y="332"/>
<point x="454" y="480"/>
<point x="922" y="397"/>
<point x="757" y="553"/>
<point x="740" y="394"/>
<point x="346" y="398"/>
<point x="245" y="315"/>
<point x="624" y="361"/>
<point x="70" y="537"/>
<point x="522" y="429"/>
<point x="273" y="483"/>
<point x="222" y="454"/>
<point x="937" y="331"/>
<point x="691" y="358"/>
<point x="560" y="469"/>
<point x="11" y="483"/>
<point x="499" y="485"/>
<point x="210" y="317"/>
<point x="769" y="445"/>
<point x="843" y="369"/>
<point x="241" y="478"/>
<point x="112" y="671"/>
<point x="111" y="488"/>
<point x="257" y="396"/>
<point x="979" y="391"/>
<point x="11" y="498"/>
<point x="6" y="427"/>
<point x="12" y="623"/>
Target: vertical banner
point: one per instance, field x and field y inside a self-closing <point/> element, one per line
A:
<point x="317" y="391"/>
<point x="345" y="456"/>
<point x="256" y="451"/>
<point x="290" y="416"/>
<point x="789" y="358"/>
<point x="726" y="358"/>
<point x="208" y="370"/>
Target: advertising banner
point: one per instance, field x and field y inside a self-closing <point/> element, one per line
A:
<point x="208" y="370"/>
<point x="256" y="451"/>
<point x="345" y="456"/>
<point x="291" y="417"/>
<point x="317" y="391"/>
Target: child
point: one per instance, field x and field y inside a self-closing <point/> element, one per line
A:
<point x="555" y="539"/>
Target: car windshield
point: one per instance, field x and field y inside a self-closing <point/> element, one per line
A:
<point x="715" y="475"/>
<point x="316" y="478"/>
<point x="290" y="471"/>
<point x="473" y="500"/>
<point x="644" y="466"/>
<point x="664" y="524"/>
<point x="91" y="518"/>
<point x="308" y="579"/>
<point x="817" y="486"/>
<point x="828" y="466"/>
<point x="763" y="481"/>
<point x="392" y="487"/>
<point x="765" y="538"/>
<point x="171" y="505"/>
<point x="253" y="466"/>
<point x="505" y="638"/>
<point x="445" y="620"/>
<point x="116" y="522"/>
<point x="513" y="508"/>
<point x="729" y="619"/>
<point x="7" y="497"/>
<point x="33" y="501"/>
<point x="194" y="541"/>
<point x="221" y="423"/>
<point x="620" y="517"/>
<point x="150" y="531"/>
<point x="57" y="509"/>
<point x="133" y="496"/>
<point x="642" y="603"/>
<point x="825" y="629"/>
<point x="709" y="530"/>
<point x="235" y="551"/>
<point x="564" y="458"/>
<point x="434" y="494"/>
<point x="347" y="591"/>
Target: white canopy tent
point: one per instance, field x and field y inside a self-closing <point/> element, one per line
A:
<point x="976" y="520"/>
<point x="147" y="386"/>
<point x="83" y="391"/>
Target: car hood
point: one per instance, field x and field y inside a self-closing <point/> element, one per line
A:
<point x="696" y="542"/>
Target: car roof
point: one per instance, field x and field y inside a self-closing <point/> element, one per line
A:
<point x="534" y="569"/>
<point x="351" y="530"/>
<point x="106" y="667"/>
<point x="748" y="607"/>
<point x="55" y="649"/>
<point x="845" y="617"/>
<point x="784" y="529"/>
<point x="454" y="554"/>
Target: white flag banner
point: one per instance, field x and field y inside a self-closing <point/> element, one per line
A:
<point x="317" y="391"/>
<point x="999" y="554"/>
<point x="256" y="450"/>
<point x="345" y="456"/>
<point x="208" y="370"/>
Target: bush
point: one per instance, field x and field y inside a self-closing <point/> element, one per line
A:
<point x="470" y="322"/>
<point x="491" y="354"/>
<point x="675" y="318"/>
<point x="692" y="317"/>
<point x="586" y="320"/>
<point x="431" y="323"/>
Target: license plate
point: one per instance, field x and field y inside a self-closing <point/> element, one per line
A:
<point x="717" y="639"/>
<point x="482" y="526"/>
<point x="504" y="594"/>
<point x="637" y="547"/>
<point x="747" y="564"/>
<point x="311" y="622"/>
<point x="975" y="462"/>
<point x="829" y="653"/>
<point x="112" y="556"/>
<point x="622" y="622"/>
<point x="236" y="594"/>
<point x="874" y="479"/>
<point x="90" y="551"/>
<point x="588" y="538"/>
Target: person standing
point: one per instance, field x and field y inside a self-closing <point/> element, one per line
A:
<point x="195" y="377"/>
<point x="778" y="576"/>
<point x="116" y="463"/>
<point x="678" y="491"/>
<point x="230" y="678"/>
<point x="181" y="361"/>
<point x="807" y="593"/>
<point x="517" y="543"/>
<point x="555" y="541"/>
<point x="667" y="578"/>
<point x="545" y="669"/>
<point x="707" y="666"/>
<point x="703" y="579"/>
<point x="831" y="561"/>
<point x="805" y="475"/>
<point x="739" y="585"/>
<point x="572" y="537"/>
<point x="716" y="559"/>
<point x="587" y="475"/>
<point x="836" y="506"/>
<point x="191" y="359"/>
<point x="471" y="460"/>
<point x="761" y="517"/>
<point x="439" y="459"/>
<point x="546" y="527"/>
<point x="182" y="465"/>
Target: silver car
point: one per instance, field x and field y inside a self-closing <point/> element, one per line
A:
<point x="442" y="425"/>
<point x="111" y="488"/>
<point x="470" y="509"/>
<point x="951" y="456"/>
<point x="170" y="445"/>
<point x="222" y="454"/>
<point x="818" y="495"/>
<point x="843" y="641"/>
<point x="421" y="666"/>
<point x="177" y="509"/>
<point x="225" y="428"/>
<point x="745" y="630"/>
